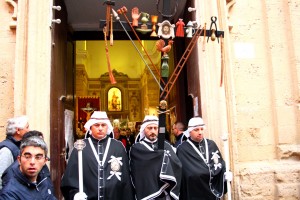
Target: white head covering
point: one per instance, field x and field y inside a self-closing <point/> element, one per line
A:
<point x="149" y="119"/>
<point x="99" y="117"/>
<point x="194" y="123"/>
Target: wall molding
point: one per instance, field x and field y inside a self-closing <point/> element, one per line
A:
<point x="13" y="23"/>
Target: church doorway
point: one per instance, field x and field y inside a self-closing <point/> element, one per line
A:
<point x="82" y="83"/>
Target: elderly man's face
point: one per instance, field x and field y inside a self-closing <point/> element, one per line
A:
<point x="99" y="130"/>
<point x="151" y="132"/>
<point x="116" y="133"/>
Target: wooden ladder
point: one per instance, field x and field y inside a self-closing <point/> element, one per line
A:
<point x="180" y="64"/>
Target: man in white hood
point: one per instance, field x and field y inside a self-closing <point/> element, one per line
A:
<point x="203" y="168"/>
<point x="156" y="173"/>
<point x="105" y="165"/>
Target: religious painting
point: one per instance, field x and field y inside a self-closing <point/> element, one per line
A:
<point x="166" y="30"/>
<point x="114" y="99"/>
<point x="86" y="105"/>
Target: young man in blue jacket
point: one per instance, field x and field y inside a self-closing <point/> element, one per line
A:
<point x="27" y="183"/>
<point x="45" y="172"/>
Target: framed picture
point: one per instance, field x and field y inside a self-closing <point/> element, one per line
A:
<point x="114" y="99"/>
<point x="166" y="30"/>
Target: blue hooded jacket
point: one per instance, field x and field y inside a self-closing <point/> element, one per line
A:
<point x="19" y="187"/>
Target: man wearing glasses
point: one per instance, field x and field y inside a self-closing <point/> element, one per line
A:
<point x="156" y="173"/>
<point x="27" y="182"/>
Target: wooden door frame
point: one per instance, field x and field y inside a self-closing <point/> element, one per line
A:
<point x="61" y="93"/>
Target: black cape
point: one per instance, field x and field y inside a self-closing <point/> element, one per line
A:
<point x="114" y="189"/>
<point x="201" y="181"/>
<point x="154" y="172"/>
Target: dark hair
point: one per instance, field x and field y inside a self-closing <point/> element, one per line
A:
<point x="180" y="126"/>
<point x="34" y="141"/>
<point x="33" y="133"/>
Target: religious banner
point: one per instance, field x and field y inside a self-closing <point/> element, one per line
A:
<point x="86" y="105"/>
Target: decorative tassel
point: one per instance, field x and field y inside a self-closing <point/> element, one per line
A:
<point x="111" y="76"/>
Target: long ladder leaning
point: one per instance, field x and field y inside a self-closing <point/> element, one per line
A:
<point x="181" y="63"/>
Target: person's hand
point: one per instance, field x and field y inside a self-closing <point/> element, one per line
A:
<point x="80" y="196"/>
<point x="135" y="16"/>
<point x="228" y="176"/>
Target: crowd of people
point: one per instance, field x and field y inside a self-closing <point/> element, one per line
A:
<point x="116" y="163"/>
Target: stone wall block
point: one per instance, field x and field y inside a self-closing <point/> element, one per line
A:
<point x="289" y="152"/>
<point x="288" y="191"/>
<point x="257" y="182"/>
<point x="7" y="56"/>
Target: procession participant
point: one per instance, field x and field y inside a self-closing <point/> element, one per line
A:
<point x="156" y="173"/>
<point x="178" y="129"/>
<point x="27" y="181"/>
<point x="203" y="167"/>
<point x="105" y="165"/>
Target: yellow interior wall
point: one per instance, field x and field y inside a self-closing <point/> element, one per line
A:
<point x="123" y="57"/>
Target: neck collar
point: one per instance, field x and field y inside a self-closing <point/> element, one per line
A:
<point x="147" y="140"/>
<point x="95" y="139"/>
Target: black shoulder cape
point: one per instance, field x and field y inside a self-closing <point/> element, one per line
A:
<point x="201" y="181"/>
<point x="154" y="172"/>
<point x="114" y="188"/>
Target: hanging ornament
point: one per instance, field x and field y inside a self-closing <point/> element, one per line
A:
<point x="180" y="28"/>
<point x="166" y="30"/>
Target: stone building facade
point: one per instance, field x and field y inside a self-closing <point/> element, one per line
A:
<point x="256" y="106"/>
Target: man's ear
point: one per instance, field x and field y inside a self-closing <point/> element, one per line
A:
<point x="46" y="159"/>
<point x="19" y="159"/>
